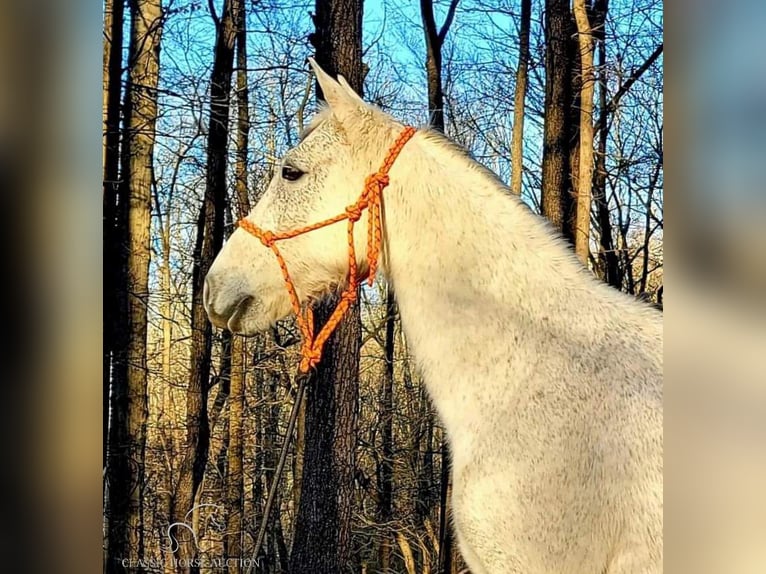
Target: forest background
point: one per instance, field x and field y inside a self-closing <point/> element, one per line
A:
<point x="563" y="101"/>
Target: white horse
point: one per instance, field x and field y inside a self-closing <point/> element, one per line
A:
<point x="548" y="383"/>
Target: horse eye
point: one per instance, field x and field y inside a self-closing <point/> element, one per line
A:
<point x="291" y="173"/>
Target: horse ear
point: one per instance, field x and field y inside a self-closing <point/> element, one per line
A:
<point x="334" y="94"/>
<point x="349" y="90"/>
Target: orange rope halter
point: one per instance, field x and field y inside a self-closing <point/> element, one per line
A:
<point x="370" y="198"/>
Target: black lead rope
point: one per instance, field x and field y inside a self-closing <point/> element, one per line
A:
<point x="302" y="380"/>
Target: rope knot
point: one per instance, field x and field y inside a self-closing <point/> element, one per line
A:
<point x="379" y="179"/>
<point x="310" y="355"/>
<point x="354" y="212"/>
<point x="308" y="362"/>
<point x="267" y="238"/>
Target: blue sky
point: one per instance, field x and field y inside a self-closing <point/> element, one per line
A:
<point x="481" y="50"/>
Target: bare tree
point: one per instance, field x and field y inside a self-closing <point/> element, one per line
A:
<point x="112" y="81"/>
<point x="234" y="469"/>
<point x="210" y="228"/>
<point x="610" y="266"/>
<point x="585" y="171"/>
<point x="322" y="542"/>
<point x="557" y="202"/>
<point x="434" y="41"/>
<point x="519" y="100"/>
<point x="386" y="413"/>
<point x="129" y="383"/>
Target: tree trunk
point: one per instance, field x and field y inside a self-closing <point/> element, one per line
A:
<point x="234" y="471"/>
<point x="386" y="416"/>
<point x="575" y="91"/>
<point x="165" y="221"/>
<point x="270" y="460"/>
<point x="281" y="544"/>
<point x="434" y="42"/>
<point x="585" y="172"/>
<point x="322" y="543"/>
<point x="426" y="480"/>
<point x="129" y="406"/>
<point x="299" y="456"/>
<point x="259" y="345"/>
<point x="433" y="66"/>
<point x="517" y="140"/>
<point x="609" y="263"/>
<point x="209" y="240"/>
<point x="646" y="248"/>
<point x="557" y="203"/>
<point x="112" y="81"/>
<point x="406" y="550"/>
<point x="243" y="114"/>
<point x="445" y="533"/>
<point x="168" y="422"/>
<point x="323" y="524"/>
<point x="614" y="273"/>
<point x="166" y="287"/>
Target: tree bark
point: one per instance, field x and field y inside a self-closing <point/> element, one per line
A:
<point x="433" y="66"/>
<point x="609" y="263"/>
<point x="434" y="41"/>
<point x="129" y="406"/>
<point x="407" y="555"/>
<point x="426" y="482"/>
<point x="234" y="472"/>
<point x="519" y="99"/>
<point x="585" y="168"/>
<point x="323" y="524"/>
<point x="557" y="202"/>
<point x="209" y="241"/>
<point x="299" y="456"/>
<point x="235" y="498"/>
<point x="445" y="532"/>
<point x="646" y="248"/>
<point x="112" y="81"/>
<point x="260" y="432"/>
<point x="386" y="416"/>
<point x="322" y="542"/>
<point x="270" y="460"/>
<point x="243" y="114"/>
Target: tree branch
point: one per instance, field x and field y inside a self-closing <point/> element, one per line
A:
<point x="614" y="102"/>
<point x="213" y="14"/>
<point x="637" y="73"/>
<point x="429" y="23"/>
<point x="448" y="20"/>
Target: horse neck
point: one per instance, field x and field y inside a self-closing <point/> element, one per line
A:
<point x="473" y="270"/>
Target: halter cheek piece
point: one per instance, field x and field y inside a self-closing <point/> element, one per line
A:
<point x="370" y="198"/>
